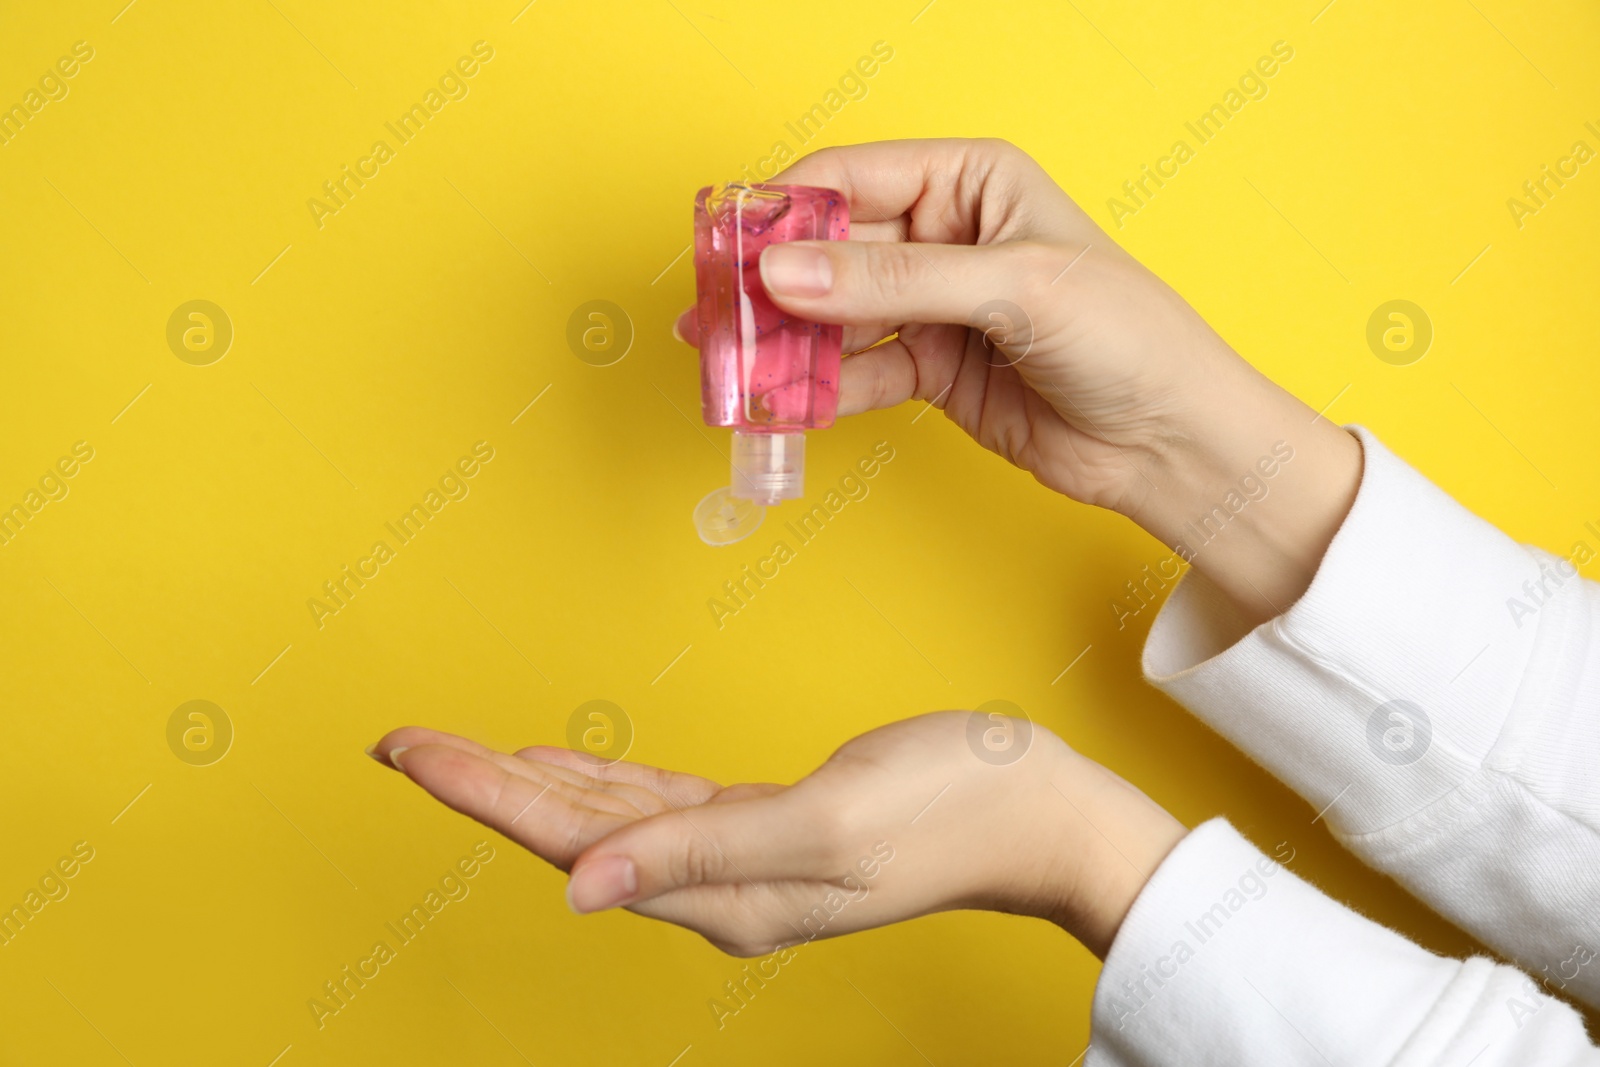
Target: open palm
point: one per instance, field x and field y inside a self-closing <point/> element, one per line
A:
<point x="901" y="821"/>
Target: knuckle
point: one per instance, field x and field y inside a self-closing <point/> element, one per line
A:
<point x="891" y="269"/>
<point x="575" y="834"/>
<point x="998" y="147"/>
<point x="497" y="803"/>
<point x="694" y="863"/>
<point x="821" y="155"/>
<point x="995" y="157"/>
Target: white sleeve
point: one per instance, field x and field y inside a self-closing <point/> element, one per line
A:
<point x="1227" y="959"/>
<point x="1436" y="694"/>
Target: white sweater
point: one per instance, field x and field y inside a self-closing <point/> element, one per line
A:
<point x="1479" y="792"/>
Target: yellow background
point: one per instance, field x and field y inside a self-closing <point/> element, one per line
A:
<point x="419" y="320"/>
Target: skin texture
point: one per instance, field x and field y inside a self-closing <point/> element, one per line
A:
<point x="902" y="821"/>
<point x="1104" y="384"/>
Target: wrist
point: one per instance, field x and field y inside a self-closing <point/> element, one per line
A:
<point x="1250" y="491"/>
<point x="1111" y="841"/>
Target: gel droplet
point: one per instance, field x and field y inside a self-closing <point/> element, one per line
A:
<point x="722" y="518"/>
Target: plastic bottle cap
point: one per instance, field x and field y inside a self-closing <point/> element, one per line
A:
<point x="722" y="518"/>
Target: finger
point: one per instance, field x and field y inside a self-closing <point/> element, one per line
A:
<point x="674" y="788"/>
<point x="748" y="921"/>
<point x="860" y="338"/>
<point x="614" y="794"/>
<point x="414" y="736"/>
<point x="881" y="378"/>
<point x="868" y="283"/>
<point x="547" y="818"/>
<point x="890" y="374"/>
<point x="945" y="186"/>
<point x="742" y="841"/>
<point x="686" y="326"/>
<point x="747" y="791"/>
<point x="892" y="230"/>
<point x="411" y="736"/>
<point x="883" y="180"/>
<point x="611" y="794"/>
<point x="856" y="338"/>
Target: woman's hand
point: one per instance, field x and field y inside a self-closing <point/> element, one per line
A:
<point x="902" y="821"/>
<point x="1047" y="343"/>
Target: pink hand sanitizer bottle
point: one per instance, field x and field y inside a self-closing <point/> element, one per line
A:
<point x="766" y="374"/>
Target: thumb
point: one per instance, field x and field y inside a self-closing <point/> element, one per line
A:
<point x="871" y="282"/>
<point x="746" y="841"/>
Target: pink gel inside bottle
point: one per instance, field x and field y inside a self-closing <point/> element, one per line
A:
<point x="764" y="373"/>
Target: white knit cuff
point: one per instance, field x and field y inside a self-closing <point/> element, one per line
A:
<point x="1386" y="685"/>
<point x="1227" y="957"/>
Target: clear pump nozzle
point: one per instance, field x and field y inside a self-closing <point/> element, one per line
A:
<point x="768" y="467"/>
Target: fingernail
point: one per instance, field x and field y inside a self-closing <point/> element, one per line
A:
<point x="601" y="884"/>
<point x="676" y="334"/>
<point x="394" y="756"/>
<point x="372" y="750"/>
<point x="796" y="270"/>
